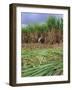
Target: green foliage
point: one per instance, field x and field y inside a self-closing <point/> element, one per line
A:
<point x="61" y="24"/>
<point x="35" y="28"/>
<point x="42" y="62"/>
<point x="52" y="68"/>
<point x="51" y="31"/>
<point x="55" y="23"/>
<point x="50" y="24"/>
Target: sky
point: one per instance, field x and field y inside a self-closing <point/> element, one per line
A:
<point x="31" y="18"/>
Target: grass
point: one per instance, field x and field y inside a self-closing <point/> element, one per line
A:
<point x="42" y="62"/>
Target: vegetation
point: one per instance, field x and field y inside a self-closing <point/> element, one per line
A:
<point x="42" y="62"/>
<point x="50" y="24"/>
<point x="51" y="31"/>
<point x="42" y="51"/>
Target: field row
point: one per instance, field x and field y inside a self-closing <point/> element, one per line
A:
<point x="52" y="68"/>
<point x="42" y="62"/>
